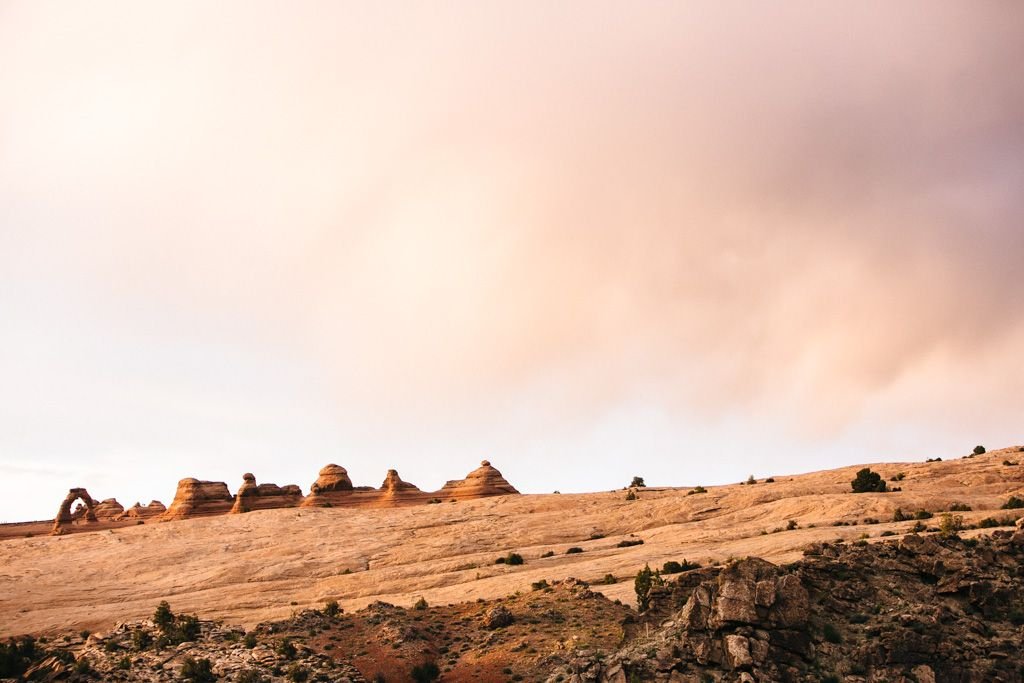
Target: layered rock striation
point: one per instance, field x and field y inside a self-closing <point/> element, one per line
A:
<point x="252" y="496"/>
<point x="195" y="498"/>
<point x="482" y="482"/>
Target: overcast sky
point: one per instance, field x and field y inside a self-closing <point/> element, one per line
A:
<point x="688" y="241"/>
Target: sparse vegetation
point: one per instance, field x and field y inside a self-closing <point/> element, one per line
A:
<point x="420" y="604"/>
<point x="951" y="525"/>
<point x="574" y="550"/>
<point x="770" y="480"/>
<point x="609" y="579"/>
<point x="331" y="608"/>
<point x="549" y="553"/>
<point x="934" y="460"/>
<point x="751" y="480"/>
<point x="696" y="489"/>
<point x="643" y="583"/>
<point x="899" y="476"/>
<point x="867" y="481"/>
<point x="631" y="495"/>
<point x="425" y="672"/>
<point x="174" y="629"/>
<point x="791" y="525"/>
<point x="511" y="558"/>
<point x="629" y="542"/>
<point x="539" y="585"/>
<point x="197" y="670"/>
<point x="959" y="507"/>
<point x="979" y="450"/>
<point x="831" y="634"/>
<point x="673" y="567"/>
<point x="1012" y="503"/>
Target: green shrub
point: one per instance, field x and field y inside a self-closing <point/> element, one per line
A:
<point x="609" y="579"/>
<point x="979" y="450"/>
<point x="420" y="604"/>
<point x="298" y="673"/>
<point x="331" y="608"/>
<point x="671" y="567"/>
<point x="867" y="481"/>
<point x="575" y="550"/>
<point x="250" y="676"/>
<point x="539" y="585"/>
<point x="899" y="476"/>
<point x="831" y="634"/>
<point x="959" y="507"/>
<point x="923" y="514"/>
<point x="249" y="640"/>
<point x="629" y="542"/>
<point x="642" y="587"/>
<point x="286" y="649"/>
<point x="514" y="559"/>
<point x="163" y="617"/>
<point x="549" y="553"/>
<point x="696" y="489"/>
<point x="631" y="495"/>
<point x="197" y="671"/>
<point x="425" y="672"/>
<point x="1013" y="503"/>
<point x="751" y="480"/>
<point x="638" y="482"/>
<point x="770" y="480"/>
<point x="951" y="525"/>
<point x="791" y="525"/>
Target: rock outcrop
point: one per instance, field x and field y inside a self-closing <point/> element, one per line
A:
<point x="332" y="478"/>
<point x="108" y="509"/>
<point x="252" y="496"/>
<point x="195" y="498"/>
<point x="144" y="512"/>
<point x="922" y="608"/>
<point x="480" y="483"/>
<point x="64" y="516"/>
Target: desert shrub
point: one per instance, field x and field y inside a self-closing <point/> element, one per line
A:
<point x="923" y="514"/>
<point x="631" y="495"/>
<point x="286" y="649"/>
<point x="777" y="530"/>
<point x="870" y="520"/>
<point x="959" y="507"/>
<point x="425" y="672"/>
<point x="899" y="476"/>
<point x="992" y="522"/>
<point x="249" y="640"/>
<point x="331" y="608"/>
<point x="16" y="656"/>
<point x="125" y="663"/>
<point x="434" y="501"/>
<point x="867" y="481"/>
<point x="1013" y="503"/>
<point x="791" y="525"/>
<point x="934" y="460"/>
<point x="609" y="579"/>
<point x="298" y="673"/>
<point x="951" y="525"/>
<point x="751" y="480"/>
<point x="638" y="482"/>
<point x="979" y="450"/>
<point x="539" y="585"/>
<point x="197" y="670"/>
<point x="549" y="553"/>
<point x="887" y="533"/>
<point x="511" y="558"/>
<point x="918" y="527"/>
<point x="1009" y="463"/>
<point x="831" y="634"/>
<point x="671" y="567"/>
<point x="770" y="480"/>
<point x="696" y="489"/>
<point x="250" y="676"/>
<point x="575" y="550"/>
<point x="629" y="542"/>
<point x="420" y="604"/>
<point x="141" y="639"/>
<point x="899" y="515"/>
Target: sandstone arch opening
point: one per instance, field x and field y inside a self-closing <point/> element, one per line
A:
<point x="64" y="516"/>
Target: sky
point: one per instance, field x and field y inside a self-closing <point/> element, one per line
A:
<point x="584" y="240"/>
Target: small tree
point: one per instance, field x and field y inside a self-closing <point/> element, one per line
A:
<point x="951" y="525"/>
<point x="751" y="480"/>
<point x="867" y="481"/>
<point x="979" y="450"/>
<point x="425" y="673"/>
<point x="642" y="586"/>
<point x="163" y="617"/>
<point x="197" y="671"/>
<point x="331" y="608"/>
<point x="631" y="495"/>
<point x="638" y="482"/>
<point x="420" y="604"/>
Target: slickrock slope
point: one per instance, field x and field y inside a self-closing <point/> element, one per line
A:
<point x="252" y="567"/>
<point x="252" y="496"/>
<point x="196" y="498"/>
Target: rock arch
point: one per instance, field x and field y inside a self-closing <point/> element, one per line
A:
<point x="64" y="517"/>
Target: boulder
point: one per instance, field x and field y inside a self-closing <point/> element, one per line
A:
<point x="195" y="498"/>
<point x="108" y="509"/>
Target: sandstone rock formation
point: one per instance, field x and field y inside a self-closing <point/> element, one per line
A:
<point x="143" y="512"/>
<point x="64" y="517"/>
<point x="253" y="496"/>
<point x="480" y="483"/>
<point x="108" y="509"/>
<point x="195" y="498"/>
<point x="331" y="478"/>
